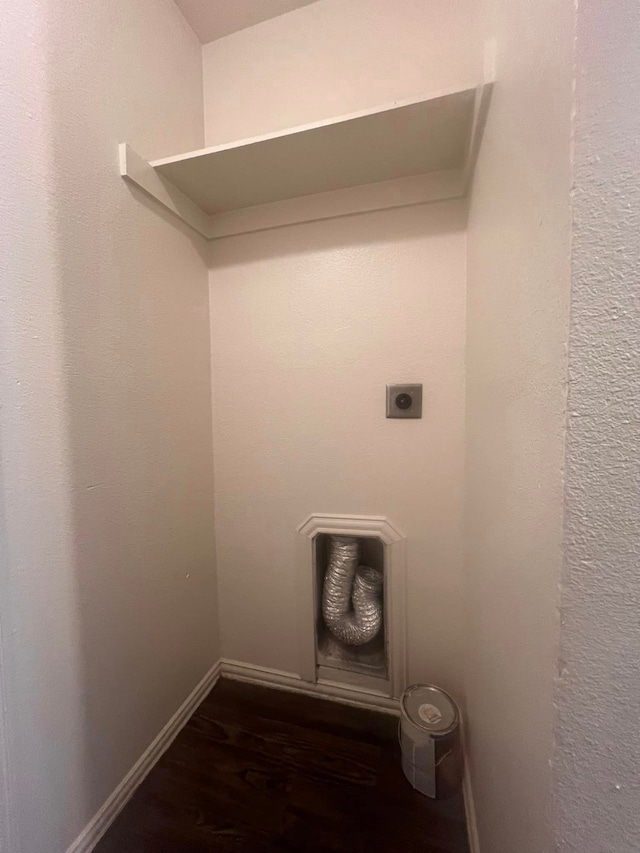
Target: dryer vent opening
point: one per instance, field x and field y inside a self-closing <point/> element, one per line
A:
<point x="351" y="623"/>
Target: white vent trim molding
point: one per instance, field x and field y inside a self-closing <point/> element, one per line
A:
<point x="395" y="568"/>
<point x="276" y="679"/>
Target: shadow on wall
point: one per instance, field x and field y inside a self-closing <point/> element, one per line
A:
<point x="356" y="230"/>
<point x="140" y="197"/>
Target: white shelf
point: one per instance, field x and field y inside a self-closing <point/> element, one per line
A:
<point x="396" y="142"/>
<point x="405" y="153"/>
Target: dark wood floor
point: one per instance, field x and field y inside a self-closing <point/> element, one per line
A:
<point x="260" y="770"/>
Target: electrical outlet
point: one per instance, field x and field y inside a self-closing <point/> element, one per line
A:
<point x="404" y="401"/>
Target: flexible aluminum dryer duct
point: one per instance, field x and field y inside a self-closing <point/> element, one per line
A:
<point x="345" y="581"/>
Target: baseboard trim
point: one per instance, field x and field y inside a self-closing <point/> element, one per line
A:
<point x="99" y="824"/>
<point x="470" y="812"/>
<point x="291" y="682"/>
<point x="238" y="671"/>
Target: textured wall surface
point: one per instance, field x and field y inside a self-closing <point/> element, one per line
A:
<point x="333" y="58"/>
<point x="309" y="323"/>
<point x="517" y="321"/>
<point x="108" y="584"/>
<point x="598" y="785"/>
<point x="38" y="618"/>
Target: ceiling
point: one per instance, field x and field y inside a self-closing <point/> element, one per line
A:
<point x="212" y="19"/>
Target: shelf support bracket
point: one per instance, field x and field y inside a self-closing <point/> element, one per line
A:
<point x="138" y="171"/>
<point x="480" y="110"/>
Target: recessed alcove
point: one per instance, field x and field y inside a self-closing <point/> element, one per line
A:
<point x="188" y="404"/>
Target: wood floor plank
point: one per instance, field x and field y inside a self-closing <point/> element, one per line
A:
<point x="261" y="771"/>
<point x="295" y="747"/>
<point x="263" y="703"/>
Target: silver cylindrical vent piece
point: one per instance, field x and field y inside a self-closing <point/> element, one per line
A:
<point x="352" y="594"/>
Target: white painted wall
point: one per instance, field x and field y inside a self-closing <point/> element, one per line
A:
<point x="517" y="320"/>
<point x="597" y="786"/>
<point x="310" y="322"/>
<point x="107" y="597"/>
<point x="39" y="659"/>
<point x="333" y="58"/>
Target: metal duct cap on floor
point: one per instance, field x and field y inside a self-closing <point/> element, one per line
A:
<point x="429" y="709"/>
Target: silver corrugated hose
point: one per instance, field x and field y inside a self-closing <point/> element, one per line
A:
<point x="345" y="582"/>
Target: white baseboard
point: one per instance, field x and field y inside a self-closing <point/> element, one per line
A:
<point x="470" y="812"/>
<point x="99" y="824"/>
<point x="323" y="689"/>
